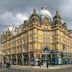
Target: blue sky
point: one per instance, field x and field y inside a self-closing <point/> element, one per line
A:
<point x="14" y="12"/>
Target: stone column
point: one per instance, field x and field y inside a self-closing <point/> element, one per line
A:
<point x="22" y="59"/>
<point x="29" y="58"/>
<point x="16" y="60"/>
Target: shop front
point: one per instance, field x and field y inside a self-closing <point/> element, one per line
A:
<point x="56" y="57"/>
<point x="13" y="59"/>
<point x="4" y="59"/>
<point x="26" y="58"/>
<point x="32" y="59"/>
<point x="19" y="58"/>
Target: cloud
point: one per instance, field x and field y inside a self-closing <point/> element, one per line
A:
<point x="66" y="12"/>
<point x="9" y="19"/>
<point x="21" y="17"/>
<point x="12" y="18"/>
<point x="14" y="12"/>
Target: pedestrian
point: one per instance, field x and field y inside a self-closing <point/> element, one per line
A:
<point x="47" y="64"/>
<point x="39" y="63"/>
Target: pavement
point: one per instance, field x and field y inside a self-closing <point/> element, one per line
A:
<point x="42" y="67"/>
<point x="19" y="68"/>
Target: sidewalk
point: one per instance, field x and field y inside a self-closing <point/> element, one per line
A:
<point x="42" y="67"/>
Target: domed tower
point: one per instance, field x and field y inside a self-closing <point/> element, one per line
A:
<point x="45" y="13"/>
<point x="57" y="18"/>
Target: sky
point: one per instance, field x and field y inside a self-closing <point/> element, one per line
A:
<point x="14" y="12"/>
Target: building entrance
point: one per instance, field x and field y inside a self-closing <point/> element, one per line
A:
<point x="45" y="57"/>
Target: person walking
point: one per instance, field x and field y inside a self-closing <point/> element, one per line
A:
<point x="47" y="64"/>
<point x="40" y="63"/>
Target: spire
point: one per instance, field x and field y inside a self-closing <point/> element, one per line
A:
<point x="57" y="15"/>
<point x="57" y="18"/>
<point x="34" y="14"/>
<point x="34" y="11"/>
<point x="57" y="12"/>
<point x="34" y="17"/>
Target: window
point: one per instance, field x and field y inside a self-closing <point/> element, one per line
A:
<point x="25" y="40"/>
<point x="19" y="48"/>
<point x="13" y="50"/>
<point x="56" y="46"/>
<point x="46" y="33"/>
<point x="55" y="32"/>
<point x="34" y="30"/>
<point x="30" y="32"/>
<point x="31" y="47"/>
<point x="63" y="46"/>
<point x="46" y="39"/>
<point x="25" y="48"/>
<point x="30" y="38"/>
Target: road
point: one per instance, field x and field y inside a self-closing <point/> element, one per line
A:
<point x="35" y="70"/>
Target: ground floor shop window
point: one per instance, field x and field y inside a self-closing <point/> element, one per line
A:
<point x="13" y="59"/>
<point x="32" y="59"/>
<point x="4" y="60"/>
<point x="46" y="58"/>
<point x="19" y="59"/>
<point x="26" y="59"/>
<point x="9" y="58"/>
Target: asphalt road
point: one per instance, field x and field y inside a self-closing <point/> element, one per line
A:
<point x="35" y="70"/>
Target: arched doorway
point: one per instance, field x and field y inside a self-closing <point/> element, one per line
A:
<point x="45" y="56"/>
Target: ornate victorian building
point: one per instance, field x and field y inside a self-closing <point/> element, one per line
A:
<point x="38" y="39"/>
